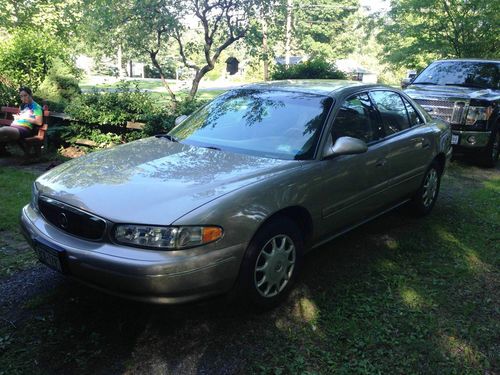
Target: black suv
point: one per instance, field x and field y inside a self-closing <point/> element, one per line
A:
<point x="466" y="94"/>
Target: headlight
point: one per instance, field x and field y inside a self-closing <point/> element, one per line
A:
<point x="475" y="114"/>
<point x="166" y="237"/>
<point x="34" y="196"/>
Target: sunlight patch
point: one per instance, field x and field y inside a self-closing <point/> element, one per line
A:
<point x="461" y="350"/>
<point x="469" y="256"/>
<point x="412" y="298"/>
<point x="306" y="310"/>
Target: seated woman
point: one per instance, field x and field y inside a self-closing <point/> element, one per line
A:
<point x="22" y="127"/>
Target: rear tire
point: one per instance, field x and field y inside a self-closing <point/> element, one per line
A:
<point x="271" y="263"/>
<point x="425" y="197"/>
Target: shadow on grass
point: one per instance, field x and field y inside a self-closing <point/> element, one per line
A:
<point x="398" y="295"/>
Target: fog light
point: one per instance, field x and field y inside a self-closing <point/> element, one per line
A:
<point x="471" y="139"/>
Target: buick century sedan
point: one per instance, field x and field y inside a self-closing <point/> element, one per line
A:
<point x="234" y="195"/>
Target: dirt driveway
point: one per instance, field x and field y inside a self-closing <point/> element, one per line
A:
<point x="390" y="297"/>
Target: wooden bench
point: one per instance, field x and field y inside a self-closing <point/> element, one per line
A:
<point x="37" y="142"/>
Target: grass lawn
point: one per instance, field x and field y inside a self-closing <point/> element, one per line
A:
<point x="15" y="191"/>
<point x="398" y="295"/>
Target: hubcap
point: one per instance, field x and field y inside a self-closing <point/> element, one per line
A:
<point x="274" y="266"/>
<point x="430" y="188"/>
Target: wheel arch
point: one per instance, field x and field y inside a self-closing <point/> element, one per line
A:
<point x="440" y="160"/>
<point x="299" y="215"/>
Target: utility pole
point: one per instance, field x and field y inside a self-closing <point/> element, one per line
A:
<point x="265" y="49"/>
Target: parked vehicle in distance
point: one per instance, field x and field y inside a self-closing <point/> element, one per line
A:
<point x="234" y="195"/>
<point x="410" y="76"/>
<point x="466" y="94"/>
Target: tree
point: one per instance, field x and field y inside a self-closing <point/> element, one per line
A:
<point x="200" y="29"/>
<point x="417" y="31"/>
<point x="58" y="19"/>
<point x="26" y="56"/>
<point x="325" y="28"/>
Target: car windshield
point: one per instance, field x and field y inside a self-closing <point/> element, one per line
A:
<point x="476" y="74"/>
<point x="268" y="123"/>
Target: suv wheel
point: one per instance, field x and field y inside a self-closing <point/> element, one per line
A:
<point x="492" y="151"/>
<point x="271" y="262"/>
<point x="425" y="198"/>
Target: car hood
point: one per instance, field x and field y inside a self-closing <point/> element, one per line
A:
<point x="417" y="91"/>
<point x="153" y="180"/>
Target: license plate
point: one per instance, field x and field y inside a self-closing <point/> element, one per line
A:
<point x="49" y="256"/>
<point x="454" y="139"/>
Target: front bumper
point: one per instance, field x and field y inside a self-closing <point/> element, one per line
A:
<point x="145" y="275"/>
<point x="470" y="139"/>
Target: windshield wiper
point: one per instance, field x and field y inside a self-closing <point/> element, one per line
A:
<point x="423" y="83"/>
<point x="169" y="137"/>
<point x="213" y="148"/>
<point x="471" y="85"/>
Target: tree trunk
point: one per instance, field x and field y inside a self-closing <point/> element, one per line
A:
<point x="119" y="61"/>
<point x="288" y="41"/>
<point x="196" y="81"/>
<point x="163" y="79"/>
<point x="265" y="49"/>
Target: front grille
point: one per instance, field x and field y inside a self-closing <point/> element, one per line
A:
<point x="72" y="220"/>
<point x="451" y="112"/>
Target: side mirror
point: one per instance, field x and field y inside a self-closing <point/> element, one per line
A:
<point x="347" y="146"/>
<point x="179" y="119"/>
<point x="405" y="82"/>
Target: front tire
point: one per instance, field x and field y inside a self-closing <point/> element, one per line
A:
<point x="426" y="196"/>
<point x="272" y="262"/>
<point x="489" y="156"/>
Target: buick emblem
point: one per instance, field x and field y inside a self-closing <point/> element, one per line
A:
<point x="63" y="220"/>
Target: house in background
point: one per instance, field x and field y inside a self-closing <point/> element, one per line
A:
<point x="293" y="60"/>
<point x="355" y="71"/>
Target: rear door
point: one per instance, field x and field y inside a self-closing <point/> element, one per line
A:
<point x="410" y="142"/>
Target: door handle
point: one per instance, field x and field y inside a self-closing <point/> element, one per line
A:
<point x="381" y="162"/>
<point x="426" y="145"/>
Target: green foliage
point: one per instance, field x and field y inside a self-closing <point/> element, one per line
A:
<point x="102" y="116"/>
<point x="26" y="57"/>
<point x="168" y="69"/>
<point x="60" y="86"/>
<point x="8" y="93"/>
<point x="312" y="69"/>
<point x="417" y="32"/>
<point x="15" y="191"/>
<point x="59" y="19"/>
<point x="325" y="27"/>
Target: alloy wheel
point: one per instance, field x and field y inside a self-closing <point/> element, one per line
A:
<point x="430" y="187"/>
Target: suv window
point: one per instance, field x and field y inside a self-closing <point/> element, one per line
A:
<point x="357" y="118"/>
<point x="392" y="110"/>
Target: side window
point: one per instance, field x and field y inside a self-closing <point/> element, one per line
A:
<point x="412" y="114"/>
<point x="392" y="110"/>
<point x="356" y="118"/>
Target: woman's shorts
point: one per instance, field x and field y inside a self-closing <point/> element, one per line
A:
<point x="24" y="132"/>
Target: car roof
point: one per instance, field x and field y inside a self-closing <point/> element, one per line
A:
<point x="313" y="86"/>
<point x="470" y="60"/>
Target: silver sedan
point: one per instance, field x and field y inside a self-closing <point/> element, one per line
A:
<point x="236" y="193"/>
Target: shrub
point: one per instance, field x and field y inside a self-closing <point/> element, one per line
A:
<point x="26" y="57"/>
<point x="8" y="93"/>
<point x="60" y="86"/>
<point x="312" y="69"/>
<point x="102" y="116"/>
